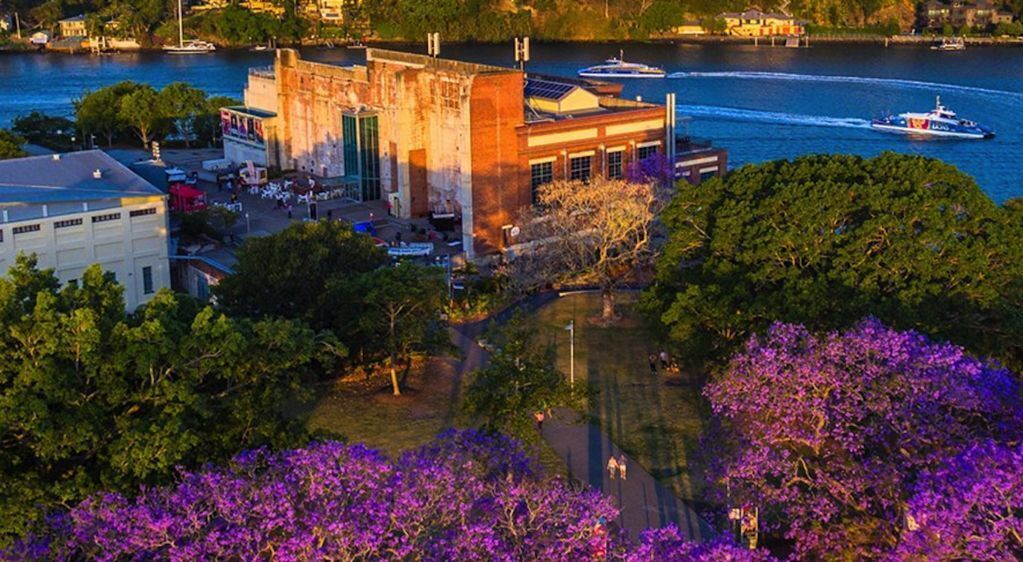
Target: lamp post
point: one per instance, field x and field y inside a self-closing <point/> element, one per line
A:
<point x="571" y="346"/>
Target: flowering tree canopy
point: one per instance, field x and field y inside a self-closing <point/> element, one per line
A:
<point x="827" y="434"/>
<point x="468" y="496"/>
<point x="971" y="508"/>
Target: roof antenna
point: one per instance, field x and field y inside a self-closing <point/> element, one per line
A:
<point x="522" y="52"/>
<point x="433" y="44"/>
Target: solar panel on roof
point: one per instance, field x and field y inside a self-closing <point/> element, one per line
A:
<point x="547" y="90"/>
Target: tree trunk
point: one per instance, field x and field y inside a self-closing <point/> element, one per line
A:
<point x="394" y="376"/>
<point x="608" y="313"/>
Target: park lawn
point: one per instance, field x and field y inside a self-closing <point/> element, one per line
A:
<point x="359" y="411"/>
<point x="658" y="420"/>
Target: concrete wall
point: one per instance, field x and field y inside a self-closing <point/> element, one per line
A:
<point x="122" y="244"/>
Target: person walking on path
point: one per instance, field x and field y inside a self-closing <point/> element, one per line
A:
<point x="612" y="467"/>
<point x="665" y="360"/>
<point x="538" y="416"/>
<point x="622" y="468"/>
<point x="652" y="359"/>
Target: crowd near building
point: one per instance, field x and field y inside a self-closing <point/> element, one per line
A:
<point x="82" y="208"/>
<point x="430" y="135"/>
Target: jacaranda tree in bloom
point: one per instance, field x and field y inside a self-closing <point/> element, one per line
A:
<point x="468" y="496"/>
<point x="971" y="508"/>
<point x="828" y="434"/>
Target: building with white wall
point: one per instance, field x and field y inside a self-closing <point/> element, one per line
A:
<point x="74" y="210"/>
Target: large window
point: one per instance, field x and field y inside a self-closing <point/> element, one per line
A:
<point x="579" y="168"/>
<point x="615" y="171"/>
<point x="360" y="140"/>
<point x="646" y="152"/>
<point x="540" y="174"/>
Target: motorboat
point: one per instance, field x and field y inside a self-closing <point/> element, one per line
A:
<point x="193" y="47"/>
<point x="950" y="44"/>
<point x="939" y="122"/>
<point x="618" y="68"/>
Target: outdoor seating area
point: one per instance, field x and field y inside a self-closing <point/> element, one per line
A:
<point x="290" y="190"/>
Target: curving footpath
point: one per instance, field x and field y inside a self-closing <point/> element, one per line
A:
<point x="642" y="501"/>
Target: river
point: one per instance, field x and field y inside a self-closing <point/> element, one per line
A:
<point x="761" y="103"/>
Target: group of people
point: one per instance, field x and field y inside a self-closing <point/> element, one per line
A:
<point x="665" y="360"/>
<point x="617" y="466"/>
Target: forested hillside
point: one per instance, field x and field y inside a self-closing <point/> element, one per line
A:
<point x="460" y="20"/>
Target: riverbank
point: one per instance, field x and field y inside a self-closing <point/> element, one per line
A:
<point x="808" y="40"/>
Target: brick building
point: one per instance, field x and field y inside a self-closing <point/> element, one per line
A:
<point x="439" y="136"/>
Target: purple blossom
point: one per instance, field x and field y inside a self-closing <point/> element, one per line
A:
<point x="828" y="434"/>
<point x="468" y="496"/>
<point x="969" y="508"/>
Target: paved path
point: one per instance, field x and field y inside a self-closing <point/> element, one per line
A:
<point x="643" y="502"/>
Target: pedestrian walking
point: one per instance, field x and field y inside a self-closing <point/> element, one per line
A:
<point x="652" y="359"/>
<point x="622" y="467"/>
<point x="289" y="211"/>
<point x="665" y="360"/>
<point x="330" y="215"/>
<point x="538" y="416"/>
<point x="612" y="467"/>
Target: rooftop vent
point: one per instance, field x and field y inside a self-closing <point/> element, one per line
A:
<point x="97" y="174"/>
<point x="56" y="157"/>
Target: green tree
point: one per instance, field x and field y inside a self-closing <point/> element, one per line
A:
<point x="520" y="378"/>
<point x="403" y="306"/>
<point x="10" y="145"/>
<point x="1012" y="29"/>
<point x="662" y="15"/>
<point x="827" y="240"/>
<point x="287" y="274"/>
<point x="99" y="112"/>
<point x="142" y="111"/>
<point x="183" y="105"/>
<point x="92" y="398"/>
<point x="207" y="125"/>
<point x="46" y="130"/>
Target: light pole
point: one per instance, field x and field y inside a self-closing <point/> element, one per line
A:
<point x="571" y="346"/>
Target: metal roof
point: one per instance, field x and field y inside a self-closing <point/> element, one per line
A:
<point x="69" y="177"/>
<point x="548" y="89"/>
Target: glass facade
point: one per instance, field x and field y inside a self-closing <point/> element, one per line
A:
<point x="361" y="145"/>
<point x="540" y="174"/>
<point x="615" y="170"/>
<point x="579" y="168"/>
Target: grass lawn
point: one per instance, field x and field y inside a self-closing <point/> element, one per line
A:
<point x="366" y="412"/>
<point x="656" y="419"/>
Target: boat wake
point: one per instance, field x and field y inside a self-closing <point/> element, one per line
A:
<point x="894" y="82"/>
<point x="736" y="114"/>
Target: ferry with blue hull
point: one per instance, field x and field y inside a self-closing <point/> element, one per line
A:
<point x="618" y="68"/>
<point x="940" y="122"/>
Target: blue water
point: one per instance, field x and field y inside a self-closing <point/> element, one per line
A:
<point x="761" y="103"/>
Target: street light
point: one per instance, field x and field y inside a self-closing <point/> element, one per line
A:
<point x="571" y="346"/>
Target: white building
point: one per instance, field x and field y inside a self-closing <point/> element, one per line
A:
<point x="74" y="210"/>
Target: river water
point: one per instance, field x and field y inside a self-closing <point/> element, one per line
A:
<point x="761" y="103"/>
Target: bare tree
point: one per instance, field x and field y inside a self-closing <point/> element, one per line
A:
<point x="597" y="232"/>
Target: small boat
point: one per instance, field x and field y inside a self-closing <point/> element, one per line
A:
<point x="939" y="122"/>
<point x="618" y="68"/>
<point x="183" y="47"/>
<point x="259" y="48"/>
<point x="195" y="47"/>
<point x="950" y="44"/>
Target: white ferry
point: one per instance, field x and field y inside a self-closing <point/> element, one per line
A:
<point x="618" y="68"/>
<point x="939" y="122"/>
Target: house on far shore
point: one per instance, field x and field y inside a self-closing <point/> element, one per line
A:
<point x="40" y="38"/>
<point x="689" y="29"/>
<point x="73" y="26"/>
<point x="755" y="23"/>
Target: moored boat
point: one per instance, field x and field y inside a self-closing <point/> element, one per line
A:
<point x="193" y="47"/>
<point x="950" y="44"/>
<point x="618" y="68"/>
<point x="939" y="122"/>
